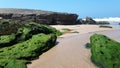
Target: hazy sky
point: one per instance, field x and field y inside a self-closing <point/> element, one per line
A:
<point x="93" y="8"/>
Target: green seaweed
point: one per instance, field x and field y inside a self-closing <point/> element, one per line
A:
<point x="104" y="26"/>
<point x="29" y="49"/>
<point x="25" y="43"/>
<point x="43" y="28"/>
<point x="7" y="40"/>
<point x="105" y="51"/>
<point x="13" y="63"/>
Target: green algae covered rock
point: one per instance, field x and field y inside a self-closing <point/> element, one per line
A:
<point x="7" y="40"/>
<point x="38" y="28"/>
<point x="29" y="49"/>
<point x="13" y="63"/>
<point x="32" y="28"/>
<point x="20" y="43"/>
<point x="105" y="51"/>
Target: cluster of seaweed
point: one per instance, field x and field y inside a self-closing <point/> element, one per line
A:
<point x="105" y="51"/>
<point x="20" y="43"/>
<point x="105" y="26"/>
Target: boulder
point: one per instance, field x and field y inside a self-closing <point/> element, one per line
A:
<point x="105" y="51"/>
<point x="80" y="21"/>
<point x="89" y="20"/>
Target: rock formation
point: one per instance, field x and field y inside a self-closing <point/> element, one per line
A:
<point x="105" y="51"/>
<point x="89" y="20"/>
<point x="39" y="16"/>
<point x="22" y="42"/>
<point x="81" y="21"/>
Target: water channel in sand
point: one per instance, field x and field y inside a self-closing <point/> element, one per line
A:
<point x="71" y="52"/>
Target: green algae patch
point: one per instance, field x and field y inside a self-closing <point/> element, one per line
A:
<point x="29" y="49"/>
<point x="22" y="42"/>
<point x="104" y="26"/>
<point x="22" y="34"/>
<point x="12" y="63"/>
<point x="43" y="28"/>
<point x="105" y="51"/>
<point x="6" y="40"/>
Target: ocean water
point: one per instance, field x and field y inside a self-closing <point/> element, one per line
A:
<point x="115" y="25"/>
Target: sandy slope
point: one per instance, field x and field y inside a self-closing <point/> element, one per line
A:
<point x="70" y="52"/>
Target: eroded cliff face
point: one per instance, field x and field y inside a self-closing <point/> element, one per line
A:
<point x="39" y="16"/>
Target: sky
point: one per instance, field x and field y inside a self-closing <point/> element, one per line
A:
<point x="92" y="8"/>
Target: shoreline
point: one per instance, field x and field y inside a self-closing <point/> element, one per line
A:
<point x="81" y="29"/>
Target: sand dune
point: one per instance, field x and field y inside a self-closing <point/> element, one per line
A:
<point x="70" y="52"/>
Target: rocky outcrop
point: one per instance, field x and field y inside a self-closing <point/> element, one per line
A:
<point x="81" y="21"/>
<point x="20" y="42"/>
<point x="89" y="20"/>
<point x="39" y="16"/>
<point x="6" y="16"/>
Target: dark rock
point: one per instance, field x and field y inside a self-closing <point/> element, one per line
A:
<point x="49" y="18"/>
<point x="80" y="21"/>
<point x="89" y="20"/>
<point x="43" y="21"/>
<point x="67" y="19"/>
<point x="6" y="16"/>
<point x="16" y="16"/>
<point x="62" y="18"/>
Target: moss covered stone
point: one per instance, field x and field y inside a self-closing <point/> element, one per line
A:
<point x="13" y="63"/>
<point x="29" y="49"/>
<point x="25" y="43"/>
<point x="105" y="51"/>
<point x="6" y="40"/>
<point x="104" y="26"/>
<point x="38" y="28"/>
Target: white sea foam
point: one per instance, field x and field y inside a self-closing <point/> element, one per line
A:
<point x="110" y="19"/>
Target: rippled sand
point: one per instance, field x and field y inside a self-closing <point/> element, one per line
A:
<point x="70" y="52"/>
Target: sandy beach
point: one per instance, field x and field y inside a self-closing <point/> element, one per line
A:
<point x="81" y="29"/>
<point x="70" y="52"/>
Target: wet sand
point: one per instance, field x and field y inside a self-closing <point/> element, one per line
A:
<point x="82" y="29"/>
<point x="70" y="52"/>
